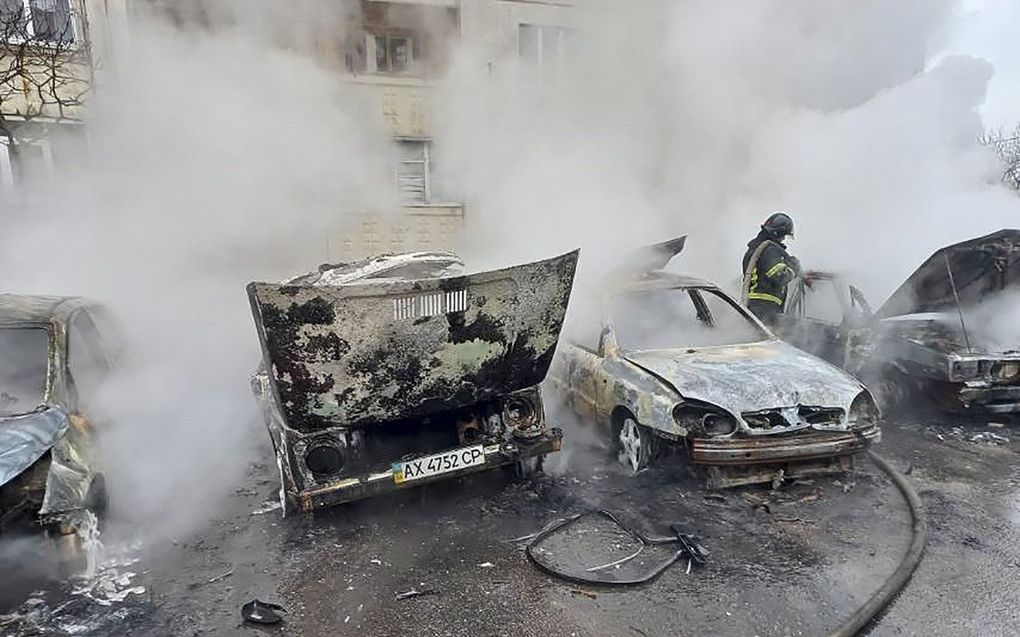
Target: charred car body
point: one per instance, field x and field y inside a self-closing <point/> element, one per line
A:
<point x="679" y="362"/>
<point x="944" y="335"/>
<point x="394" y="372"/>
<point x="56" y="351"/>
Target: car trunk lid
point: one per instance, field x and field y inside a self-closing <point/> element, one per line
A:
<point x="368" y="352"/>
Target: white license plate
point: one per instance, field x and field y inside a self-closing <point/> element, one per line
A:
<point x="445" y="462"/>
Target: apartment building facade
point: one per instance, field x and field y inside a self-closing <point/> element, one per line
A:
<point x="398" y="53"/>
<point x="50" y="51"/>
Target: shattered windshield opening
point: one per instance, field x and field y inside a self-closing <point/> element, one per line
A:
<point x="676" y="317"/>
<point x="23" y="358"/>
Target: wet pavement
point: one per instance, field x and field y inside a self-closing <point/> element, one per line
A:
<point x="793" y="561"/>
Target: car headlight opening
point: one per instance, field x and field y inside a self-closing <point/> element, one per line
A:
<point x="863" y="412"/>
<point x="324" y="460"/>
<point x="718" y="424"/>
<point x="521" y="415"/>
<point x="1006" y="371"/>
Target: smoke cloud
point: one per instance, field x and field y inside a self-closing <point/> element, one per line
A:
<point x="223" y="154"/>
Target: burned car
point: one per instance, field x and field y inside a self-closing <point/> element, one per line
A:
<point x="56" y="352"/>
<point x="395" y="371"/>
<point x="681" y="365"/>
<point x="945" y="338"/>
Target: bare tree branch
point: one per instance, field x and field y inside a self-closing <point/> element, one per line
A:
<point x="1007" y="147"/>
<point x="45" y="63"/>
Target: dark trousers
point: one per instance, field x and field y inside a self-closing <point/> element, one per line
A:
<point x="767" y="311"/>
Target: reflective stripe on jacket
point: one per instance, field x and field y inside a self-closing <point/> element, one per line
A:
<point x="771" y="274"/>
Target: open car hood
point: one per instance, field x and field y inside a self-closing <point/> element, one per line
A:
<point x="379" y="351"/>
<point x="980" y="267"/>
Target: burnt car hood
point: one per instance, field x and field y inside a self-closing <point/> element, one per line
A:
<point x="368" y="352"/>
<point x="753" y="377"/>
<point x="24" y="439"/>
<point x="980" y="267"/>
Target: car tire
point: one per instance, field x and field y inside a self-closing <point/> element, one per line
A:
<point x="635" y="445"/>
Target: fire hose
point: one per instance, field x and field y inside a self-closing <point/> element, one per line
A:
<point x="895" y="583"/>
<point x="688" y="545"/>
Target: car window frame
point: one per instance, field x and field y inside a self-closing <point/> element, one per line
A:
<point x="97" y="337"/>
<point x="701" y="307"/>
<point x="51" y="336"/>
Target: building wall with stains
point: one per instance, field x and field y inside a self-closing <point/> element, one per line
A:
<point x="402" y="87"/>
<point x="50" y="80"/>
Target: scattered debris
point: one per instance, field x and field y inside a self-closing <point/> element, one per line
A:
<point x="588" y="594"/>
<point x="416" y="593"/>
<point x="689" y="547"/>
<point x="989" y="437"/>
<point x="486" y="565"/>
<point x="777" y="480"/>
<point x="619" y="561"/>
<point x="213" y="580"/>
<point x="260" y="612"/>
<point x="267" y="507"/>
<point x="375" y="561"/>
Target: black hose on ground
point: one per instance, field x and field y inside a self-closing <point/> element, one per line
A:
<point x="895" y="583"/>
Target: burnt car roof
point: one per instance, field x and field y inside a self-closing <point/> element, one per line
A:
<point x="30" y="308"/>
<point x="980" y="267"/>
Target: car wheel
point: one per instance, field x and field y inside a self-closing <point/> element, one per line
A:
<point x="634" y="445"/>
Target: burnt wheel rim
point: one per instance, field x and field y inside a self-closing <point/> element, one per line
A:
<point x="631" y="445"/>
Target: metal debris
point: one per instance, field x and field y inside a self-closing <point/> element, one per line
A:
<point x="416" y="593"/>
<point x="259" y="612"/>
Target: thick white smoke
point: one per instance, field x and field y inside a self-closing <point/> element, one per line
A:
<point x="703" y="117"/>
<point x="216" y="160"/>
<point x="221" y="156"/>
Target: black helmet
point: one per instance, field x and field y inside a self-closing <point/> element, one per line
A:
<point x="778" y="225"/>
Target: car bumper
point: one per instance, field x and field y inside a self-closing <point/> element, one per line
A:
<point x="376" y="483"/>
<point x="782" y="449"/>
<point x="991" y="400"/>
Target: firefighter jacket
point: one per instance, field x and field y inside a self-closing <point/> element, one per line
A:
<point x="774" y="269"/>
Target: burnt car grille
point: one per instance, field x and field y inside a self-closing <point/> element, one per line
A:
<point x="765" y="420"/>
<point x="818" y="416"/>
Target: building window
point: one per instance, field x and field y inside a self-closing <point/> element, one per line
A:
<point x="541" y="50"/>
<point x="418" y="180"/>
<point x="43" y="20"/>
<point x="24" y="162"/>
<point x="390" y="52"/>
<point x="414" y="171"/>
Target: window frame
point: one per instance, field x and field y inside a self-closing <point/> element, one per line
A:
<point x="425" y="162"/>
<point x="27" y="14"/>
<point x="542" y="68"/>
<point x="367" y="38"/>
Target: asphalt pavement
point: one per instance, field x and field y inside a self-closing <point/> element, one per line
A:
<point x="442" y="560"/>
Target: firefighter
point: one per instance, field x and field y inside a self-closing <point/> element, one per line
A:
<point x="773" y="268"/>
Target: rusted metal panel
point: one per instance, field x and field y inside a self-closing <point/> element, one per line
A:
<point x="368" y="352"/>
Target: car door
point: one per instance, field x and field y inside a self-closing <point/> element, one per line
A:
<point x="87" y="363"/>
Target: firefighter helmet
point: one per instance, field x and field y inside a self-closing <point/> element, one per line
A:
<point x="778" y="225"/>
